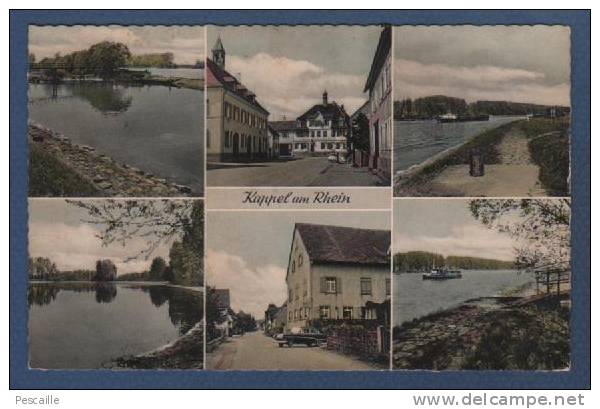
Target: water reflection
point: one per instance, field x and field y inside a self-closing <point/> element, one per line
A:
<point x="185" y="307"/>
<point x="106" y="98"/>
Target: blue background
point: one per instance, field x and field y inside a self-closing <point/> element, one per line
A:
<point x="578" y="377"/>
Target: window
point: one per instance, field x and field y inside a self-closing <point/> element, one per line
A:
<point x="324" y="312"/>
<point x="329" y="146"/>
<point x="294" y="266"/>
<point x="318" y="134"/>
<point x="365" y="286"/>
<point x="388" y="286"/>
<point x="291" y="295"/>
<point x="207" y="138"/>
<point x="347" y="313"/>
<point x="312" y="134"/>
<point x="329" y="285"/>
<point x="306" y="312"/>
<point x="324" y="134"/>
<point x="289" y="316"/>
<point x="337" y="146"/>
<point x="300" y="260"/>
<point x="322" y="145"/>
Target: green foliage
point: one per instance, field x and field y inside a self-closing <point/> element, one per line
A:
<point x="551" y="154"/>
<point x="359" y="138"/>
<point x="186" y="256"/>
<point x="529" y="339"/>
<point x="74" y="275"/>
<point x="105" y="270"/>
<point x="244" y="322"/>
<point x="50" y="177"/>
<point x="41" y="268"/>
<point x="157" y="268"/>
<point x="423" y="261"/>
<point x="432" y="106"/>
<point x="160" y="60"/>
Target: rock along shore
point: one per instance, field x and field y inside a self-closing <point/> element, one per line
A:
<point x="108" y="176"/>
<point x="187" y="352"/>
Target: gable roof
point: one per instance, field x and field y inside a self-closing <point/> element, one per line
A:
<point x="381" y="54"/>
<point x="330" y="111"/>
<point x="336" y="244"/>
<point x="283" y="125"/>
<point x="230" y="83"/>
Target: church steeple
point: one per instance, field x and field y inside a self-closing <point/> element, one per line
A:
<point x="218" y="53"/>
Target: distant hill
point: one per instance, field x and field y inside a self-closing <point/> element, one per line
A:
<point x="433" y="106"/>
<point x="422" y="261"/>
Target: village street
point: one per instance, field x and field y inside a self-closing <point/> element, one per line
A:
<point x="254" y="350"/>
<point x="310" y="171"/>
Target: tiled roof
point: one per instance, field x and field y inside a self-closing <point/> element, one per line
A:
<point x="229" y="82"/>
<point x="283" y="125"/>
<point x="330" y="111"/>
<point x="335" y="244"/>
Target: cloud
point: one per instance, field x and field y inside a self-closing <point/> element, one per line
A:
<point x="289" y="87"/>
<point x="251" y="289"/>
<point x="467" y="240"/>
<point x="483" y="82"/>
<point x="75" y="247"/>
<point x="186" y="43"/>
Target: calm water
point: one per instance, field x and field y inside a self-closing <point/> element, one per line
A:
<point x="416" y="141"/>
<point x="155" y="128"/>
<point x="85" y="325"/>
<point x="415" y="297"/>
<point x="192" y="73"/>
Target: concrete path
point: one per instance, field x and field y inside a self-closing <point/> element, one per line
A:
<point x="310" y="171"/>
<point x="516" y="175"/>
<point x="254" y="350"/>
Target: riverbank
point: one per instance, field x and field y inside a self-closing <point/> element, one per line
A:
<point x="519" y="333"/>
<point x="132" y="77"/>
<point x="59" y="167"/>
<point x="187" y="352"/>
<point x="515" y="164"/>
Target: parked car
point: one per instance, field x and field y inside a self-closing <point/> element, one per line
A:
<point x="307" y="336"/>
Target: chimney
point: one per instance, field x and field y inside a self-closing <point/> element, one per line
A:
<point x="325" y="98"/>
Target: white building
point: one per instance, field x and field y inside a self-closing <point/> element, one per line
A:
<point x="336" y="273"/>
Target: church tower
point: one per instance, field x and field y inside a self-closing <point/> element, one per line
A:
<point x="218" y="53"/>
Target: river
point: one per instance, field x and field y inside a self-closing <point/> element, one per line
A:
<point x="415" y="297"/>
<point x="158" y="129"/>
<point x="82" y="325"/>
<point x="416" y="141"/>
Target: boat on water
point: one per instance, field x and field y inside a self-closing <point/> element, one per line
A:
<point x="449" y="117"/>
<point x="442" y="274"/>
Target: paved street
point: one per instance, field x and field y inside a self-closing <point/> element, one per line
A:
<point x="309" y="171"/>
<point x="254" y="350"/>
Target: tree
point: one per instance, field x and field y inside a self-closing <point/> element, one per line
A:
<point x="31" y="59"/>
<point x="106" y="57"/>
<point x="359" y="138"/>
<point x="105" y="271"/>
<point x="42" y="268"/>
<point x="540" y="226"/>
<point x="157" y="268"/>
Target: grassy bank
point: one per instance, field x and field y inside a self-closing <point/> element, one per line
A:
<point x="548" y="147"/>
<point x="50" y="177"/>
<point x="550" y="151"/>
<point x="533" y="336"/>
<point x="187" y="352"/>
<point x="485" y="142"/>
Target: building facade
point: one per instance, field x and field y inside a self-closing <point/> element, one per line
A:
<point x="236" y="123"/>
<point x="336" y="273"/>
<point x="379" y="87"/>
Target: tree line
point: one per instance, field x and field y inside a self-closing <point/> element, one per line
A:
<point x="103" y="60"/>
<point x="433" y="106"/>
<point x="423" y="261"/>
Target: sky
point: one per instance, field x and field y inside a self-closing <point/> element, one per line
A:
<point x="288" y="68"/>
<point x="56" y="231"/>
<point x="185" y="42"/>
<point x="446" y="226"/>
<point x="514" y="63"/>
<point x="248" y="251"/>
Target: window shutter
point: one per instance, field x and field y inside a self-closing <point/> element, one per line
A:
<point x="338" y="285"/>
<point x="323" y="285"/>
